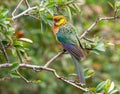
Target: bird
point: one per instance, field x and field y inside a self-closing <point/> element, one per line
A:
<point x="66" y="35"/>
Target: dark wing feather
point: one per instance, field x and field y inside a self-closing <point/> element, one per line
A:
<point x="79" y="69"/>
<point x="73" y="50"/>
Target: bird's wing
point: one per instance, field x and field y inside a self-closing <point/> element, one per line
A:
<point x="67" y="36"/>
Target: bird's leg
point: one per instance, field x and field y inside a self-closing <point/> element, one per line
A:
<point x="65" y="51"/>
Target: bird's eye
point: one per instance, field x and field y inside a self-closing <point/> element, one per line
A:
<point x="59" y="19"/>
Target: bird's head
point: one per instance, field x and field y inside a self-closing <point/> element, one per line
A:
<point x="59" y="20"/>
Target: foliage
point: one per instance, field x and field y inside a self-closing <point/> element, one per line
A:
<point x="37" y="45"/>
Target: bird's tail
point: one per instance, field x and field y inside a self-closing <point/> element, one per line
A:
<point x="76" y="54"/>
<point x="79" y="70"/>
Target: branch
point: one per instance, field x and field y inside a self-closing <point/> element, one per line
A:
<point x="24" y="12"/>
<point x="52" y="59"/>
<point x="39" y="68"/>
<point x="4" y="51"/>
<point x="33" y="16"/>
<point x="27" y="4"/>
<point x="22" y="77"/>
<point x="13" y="13"/>
<point x="94" y="24"/>
<point x="19" y="55"/>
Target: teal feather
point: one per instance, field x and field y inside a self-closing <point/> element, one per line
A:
<point x="79" y="69"/>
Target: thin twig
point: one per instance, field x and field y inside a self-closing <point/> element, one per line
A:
<point x="94" y="24"/>
<point x="5" y="78"/>
<point x="27" y="4"/>
<point x="22" y="77"/>
<point x="4" y="52"/>
<point x="13" y="13"/>
<point x="24" y="12"/>
<point x="33" y="16"/>
<point x="42" y="3"/>
<point x="87" y="39"/>
<point x="35" y="67"/>
<point x="115" y="12"/>
<point x="19" y="55"/>
<point x="53" y="58"/>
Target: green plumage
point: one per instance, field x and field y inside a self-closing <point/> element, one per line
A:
<point x="66" y="35"/>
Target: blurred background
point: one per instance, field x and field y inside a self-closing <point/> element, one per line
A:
<point x="38" y="28"/>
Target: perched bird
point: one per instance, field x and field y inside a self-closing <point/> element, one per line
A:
<point x="66" y="34"/>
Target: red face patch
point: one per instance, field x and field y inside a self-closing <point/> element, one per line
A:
<point x="55" y="18"/>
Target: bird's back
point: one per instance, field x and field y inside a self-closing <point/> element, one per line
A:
<point x="67" y="34"/>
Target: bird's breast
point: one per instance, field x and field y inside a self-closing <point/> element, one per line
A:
<point x="55" y="29"/>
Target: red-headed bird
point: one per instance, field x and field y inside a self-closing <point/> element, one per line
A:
<point x="66" y="34"/>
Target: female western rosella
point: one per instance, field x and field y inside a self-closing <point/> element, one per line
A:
<point x="66" y="35"/>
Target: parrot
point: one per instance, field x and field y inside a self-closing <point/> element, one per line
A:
<point x="66" y="35"/>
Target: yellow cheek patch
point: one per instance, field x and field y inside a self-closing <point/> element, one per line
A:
<point x="61" y="22"/>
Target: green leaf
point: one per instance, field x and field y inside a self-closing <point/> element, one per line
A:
<point x="100" y="86"/>
<point x="96" y="52"/>
<point x="6" y="22"/>
<point x="20" y="48"/>
<point x="14" y="75"/>
<point x="43" y="27"/>
<point x="50" y="11"/>
<point x="93" y="89"/>
<point x="117" y="4"/>
<point x="69" y="12"/>
<point x="51" y="4"/>
<point x="18" y="43"/>
<point x="89" y="73"/>
<point x="109" y="44"/>
<point x="112" y="6"/>
<point x="10" y="31"/>
<point x="107" y="85"/>
<point x="14" y="66"/>
<point x="100" y="47"/>
<point x="112" y="86"/>
<point x="38" y="81"/>
<point x="113" y="91"/>
<point x="2" y="37"/>
<point x="2" y="19"/>
<point x="77" y="7"/>
<point x="14" y="52"/>
<point x="44" y="18"/>
<point x="4" y="12"/>
<point x="10" y="19"/>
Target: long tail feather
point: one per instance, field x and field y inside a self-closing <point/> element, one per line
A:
<point x="76" y="54"/>
<point x="79" y="70"/>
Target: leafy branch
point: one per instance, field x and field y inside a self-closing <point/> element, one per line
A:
<point x="95" y="23"/>
<point x="39" y="68"/>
